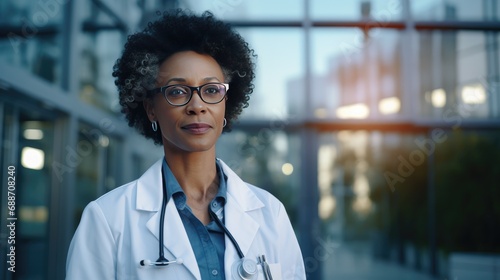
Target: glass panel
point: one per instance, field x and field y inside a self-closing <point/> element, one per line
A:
<point x="97" y="59"/>
<point x="375" y="191"/>
<point x="264" y="158"/>
<point x="493" y="77"/>
<point x="33" y="173"/>
<point x="99" y="164"/>
<point x="374" y="10"/>
<point x="455" y="10"/>
<point x="279" y="65"/>
<point x="467" y="174"/>
<point x="32" y="37"/>
<point x="362" y="212"/>
<point x="100" y="48"/>
<point x="96" y="15"/>
<point x="249" y="10"/>
<point x="114" y="159"/>
<point x="355" y="75"/>
<point x="458" y="73"/>
<point x="87" y="155"/>
<point x="39" y="14"/>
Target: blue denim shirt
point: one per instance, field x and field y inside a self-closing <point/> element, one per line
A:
<point x="207" y="241"/>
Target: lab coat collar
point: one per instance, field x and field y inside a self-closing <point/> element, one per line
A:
<point x="149" y="192"/>
<point x="240" y="200"/>
<point x="239" y="190"/>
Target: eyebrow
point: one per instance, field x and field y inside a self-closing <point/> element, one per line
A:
<point x="182" y="80"/>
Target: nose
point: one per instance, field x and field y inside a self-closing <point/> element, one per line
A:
<point x="195" y="105"/>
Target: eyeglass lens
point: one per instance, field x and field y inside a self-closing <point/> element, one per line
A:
<point x="181" y="94"/>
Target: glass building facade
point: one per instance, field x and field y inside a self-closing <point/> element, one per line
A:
<point x="376" y="122"/>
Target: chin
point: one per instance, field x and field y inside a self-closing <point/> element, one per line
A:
<point x="190" y="143"/>
<point x="188" y="147"/>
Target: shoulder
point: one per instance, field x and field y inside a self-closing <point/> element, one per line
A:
<point x="120" y="196"/>
<point x="140" y="194"/>
<point x="109" y="210"/>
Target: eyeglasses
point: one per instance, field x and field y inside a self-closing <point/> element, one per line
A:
<point x="180" y="95"/>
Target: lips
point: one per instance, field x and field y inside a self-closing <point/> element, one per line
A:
<point x="197" y="128"/>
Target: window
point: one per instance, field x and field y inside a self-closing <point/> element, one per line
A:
<point x="32" y="133"/>
<point x="279" y="60"/>
<point x="31" y="37"/>
<point x="450" y="89"/>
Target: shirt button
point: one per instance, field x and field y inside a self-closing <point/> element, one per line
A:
<point x="214" y="204"/>
<point x="215" y="272"/>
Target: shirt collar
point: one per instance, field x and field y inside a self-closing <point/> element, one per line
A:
<point x="174" y="189"/>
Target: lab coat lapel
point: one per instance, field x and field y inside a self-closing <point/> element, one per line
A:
<point x="240" y="200"/>
<point x="175" y="237"/>
<point x="241" y="226"/>
<point x="176" y="241"/>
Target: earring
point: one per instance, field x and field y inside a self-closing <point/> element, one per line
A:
<point x="154" y="125"/>
<point x="224" y="123"/>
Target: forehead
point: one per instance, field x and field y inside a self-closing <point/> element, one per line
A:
<point x="189" y="66"/>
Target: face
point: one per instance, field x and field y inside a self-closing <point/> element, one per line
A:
<point x="196" y="126"/>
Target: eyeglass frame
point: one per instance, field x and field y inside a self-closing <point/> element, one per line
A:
<point x="162" y="90"/>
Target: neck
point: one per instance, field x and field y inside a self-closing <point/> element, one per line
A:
<point x="196" y="173"/>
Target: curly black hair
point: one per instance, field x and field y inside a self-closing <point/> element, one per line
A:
<point x="175" y="31"/>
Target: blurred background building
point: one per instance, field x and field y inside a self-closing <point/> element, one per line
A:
<point x="377" y="123"/>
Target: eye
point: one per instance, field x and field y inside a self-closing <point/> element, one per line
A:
<point x="176" y="92"/>
<point x="212" y="90"/>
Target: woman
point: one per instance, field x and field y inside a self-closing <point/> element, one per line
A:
<point x="182" y="82"/>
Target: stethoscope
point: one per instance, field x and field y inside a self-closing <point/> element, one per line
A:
<point x="244" y="268"/>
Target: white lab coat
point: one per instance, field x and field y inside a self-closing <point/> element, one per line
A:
<point x="121" y="228"/>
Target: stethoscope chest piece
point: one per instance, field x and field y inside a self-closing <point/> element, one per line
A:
<point x="245" y="269"/>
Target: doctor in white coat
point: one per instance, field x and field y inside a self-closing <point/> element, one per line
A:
<point x="182" y="81"/>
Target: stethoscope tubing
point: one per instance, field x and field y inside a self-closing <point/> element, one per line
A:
<point x="244" y="268"/>
<point x="161" y="257"/>
<point x="226" y="231"/>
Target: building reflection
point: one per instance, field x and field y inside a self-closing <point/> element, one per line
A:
<point x="375" y="122"/>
